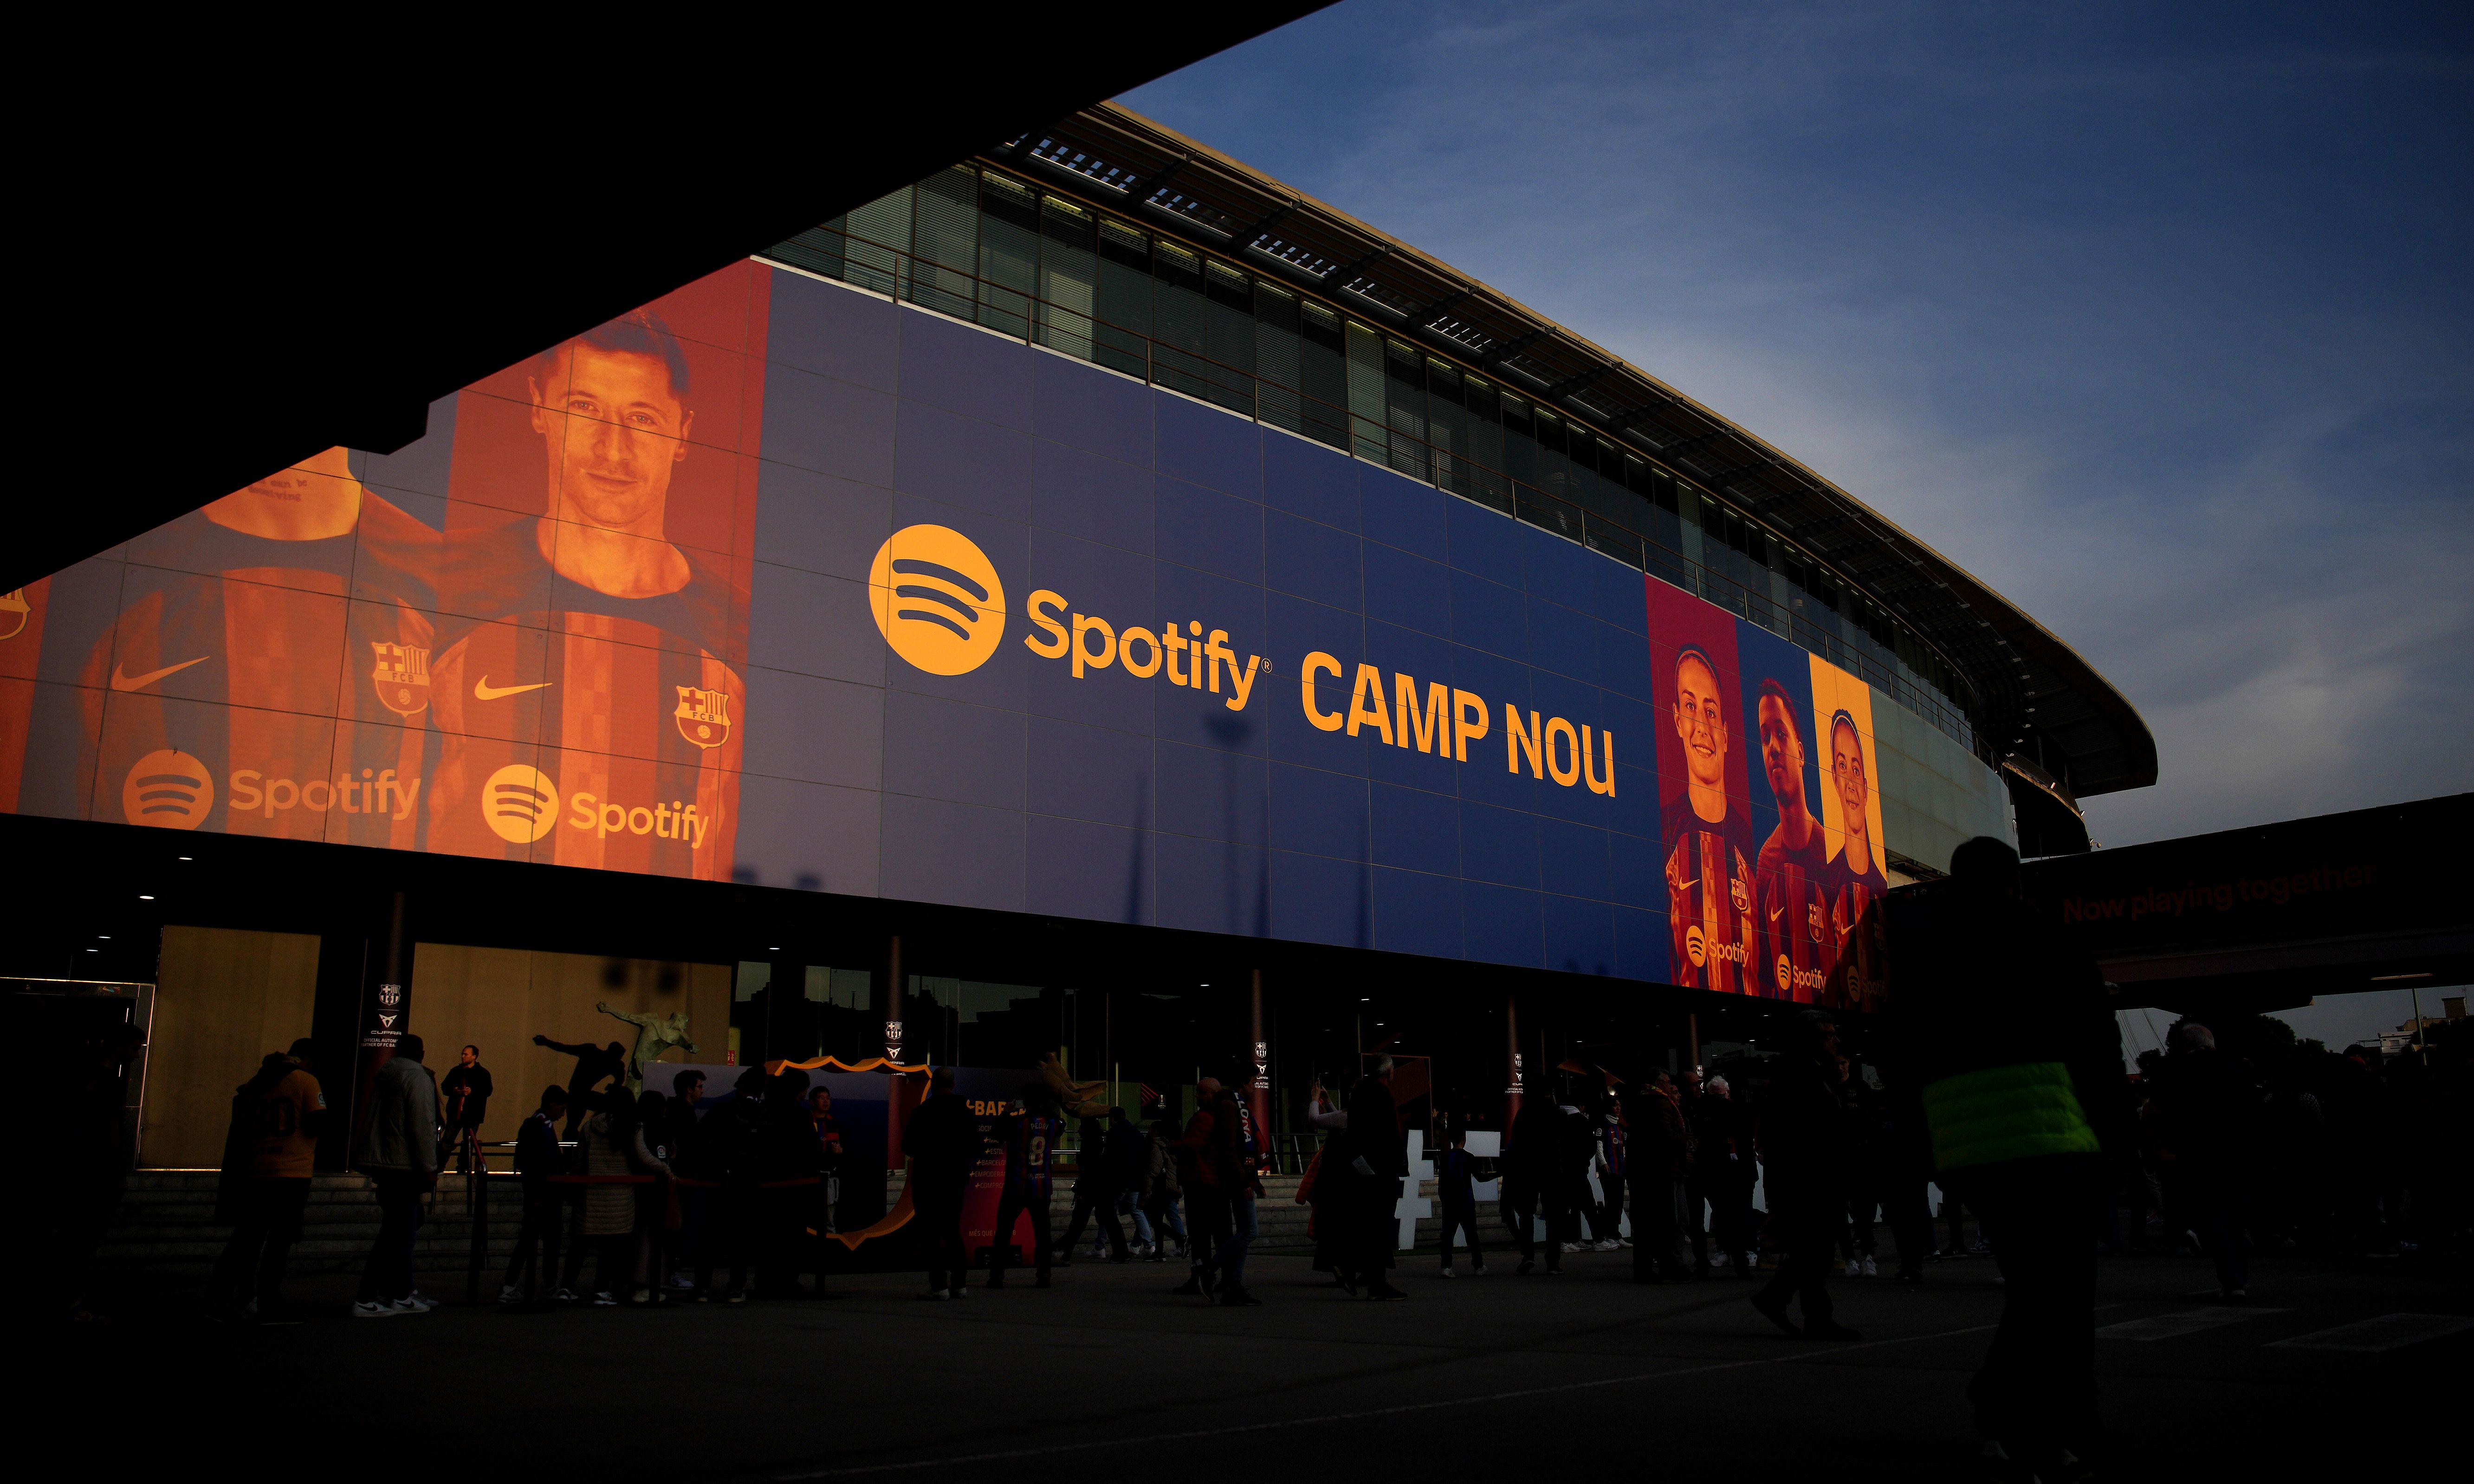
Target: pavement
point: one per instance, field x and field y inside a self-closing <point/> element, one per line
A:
<point x="1108" y="1372"/>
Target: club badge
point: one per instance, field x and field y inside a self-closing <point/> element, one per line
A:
<point x="703" y="716"/>
<point x="401" y="676"/>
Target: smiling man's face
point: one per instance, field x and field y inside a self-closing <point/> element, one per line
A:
<point x="616" y="429"/>
<point x="1700" y="720"/>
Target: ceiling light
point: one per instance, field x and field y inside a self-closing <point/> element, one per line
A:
<point x="142" y="897"/>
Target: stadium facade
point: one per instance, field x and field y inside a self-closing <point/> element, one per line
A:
<point x="1131" y="607"/>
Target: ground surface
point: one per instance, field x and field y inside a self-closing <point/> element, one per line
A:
<point x="1107" y="1374"/>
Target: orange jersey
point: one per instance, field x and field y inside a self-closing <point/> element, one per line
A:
<point x="1862" y="975"/>
<point x="1710" y="903"/>
<point x="585" y="729"/>
<point x="267" y="688"/>
<point x="1798" y="943"/>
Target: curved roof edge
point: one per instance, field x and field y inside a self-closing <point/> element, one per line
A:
<point x="2037" y="697"/>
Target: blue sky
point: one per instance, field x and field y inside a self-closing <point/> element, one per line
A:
<point x="2158" y="319"/>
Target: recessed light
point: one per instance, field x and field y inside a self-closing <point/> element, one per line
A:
<point x="142" y="897"/>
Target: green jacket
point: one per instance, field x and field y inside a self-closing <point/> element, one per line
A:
<point x="2001" y="1035"/>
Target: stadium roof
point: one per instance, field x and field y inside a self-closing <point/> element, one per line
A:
<point x="2068" y="731"/>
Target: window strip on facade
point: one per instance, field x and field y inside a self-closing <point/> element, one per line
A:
<point x="980" y="244"/>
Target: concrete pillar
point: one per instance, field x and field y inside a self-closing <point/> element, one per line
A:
<point x="890" y="996"/>
<point x="386" y="1014"/>
<point x="1513" y="1089"/>
<point x="1258" y="1087"/>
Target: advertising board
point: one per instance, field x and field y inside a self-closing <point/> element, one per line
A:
<point x="777" y="581"/>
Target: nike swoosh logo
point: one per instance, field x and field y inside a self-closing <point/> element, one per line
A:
<point x="125" y="682"/>
<point x="483" y="690"/>
<point x="1774" y="913"/>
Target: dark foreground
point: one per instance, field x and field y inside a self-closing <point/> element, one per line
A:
<point x="1107" y="1374"/>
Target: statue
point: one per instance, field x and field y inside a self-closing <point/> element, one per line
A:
<point x="1081" y="1100"/>
<point x="654" y="1035"/>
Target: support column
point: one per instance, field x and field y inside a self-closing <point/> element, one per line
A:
<point x="1512" y="1089"/>
<point x="889" y="995"/>
<point x="386" y="1015"/>
<point x="1258" y="1087"/>
<point x="1692" y="1030"/>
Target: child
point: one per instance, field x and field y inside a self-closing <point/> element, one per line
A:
<point x="1458" y="1191"/>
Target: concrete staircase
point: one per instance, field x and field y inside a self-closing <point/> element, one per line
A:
<point x="164" y="1231"/>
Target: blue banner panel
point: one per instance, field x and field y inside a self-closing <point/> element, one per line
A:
<point x="775" y="581"/>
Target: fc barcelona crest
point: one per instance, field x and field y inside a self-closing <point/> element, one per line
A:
<point x="401" y="676"/>
<point x="703" y="716"/>
<point x="1741" y="892"/>
<point x="1813" y="919"/>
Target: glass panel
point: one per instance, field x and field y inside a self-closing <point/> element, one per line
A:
<point x="1370" y="438"/>
<point x="879" y="245"/>
<point x="1009" y="254"/>
<point x="1122" y="341"/>
<point x="1229" y="308"/>
<point x="946" y="238"/>
<point x="1068" y="277"/>
<point x="1278" y="345"/>
<point x="1181" y="320"/>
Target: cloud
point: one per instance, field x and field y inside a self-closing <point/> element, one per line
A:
<point x="2159" y="328"/>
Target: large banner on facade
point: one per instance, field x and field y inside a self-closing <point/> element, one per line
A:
<point x="775" y="581"/>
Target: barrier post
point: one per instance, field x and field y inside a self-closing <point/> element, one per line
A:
<point x="477" y="1211"/>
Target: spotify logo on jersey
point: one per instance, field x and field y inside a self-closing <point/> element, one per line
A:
<point x="521" y="802"/>
<point x="167" y="788"/>
<point x="936" y="599"/>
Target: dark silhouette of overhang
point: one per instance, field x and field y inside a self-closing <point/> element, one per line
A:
<point x="247" y="241"/>
<point x="2266" y="918"/>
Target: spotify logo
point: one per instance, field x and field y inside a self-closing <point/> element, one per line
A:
<point x="1696" y="947"/>
<point x="167" y="788"/>
<point x="936" y="599"/>
<point x="521" y="803"/>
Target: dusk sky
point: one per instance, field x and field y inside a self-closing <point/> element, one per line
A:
<point x="2159" y="319"/>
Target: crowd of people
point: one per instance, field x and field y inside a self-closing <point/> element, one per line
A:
<point x="2261" y="1145"/>
<point x="2229" y="1141"/>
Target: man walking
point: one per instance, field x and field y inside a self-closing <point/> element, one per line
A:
<point x="1528" y="1172"/>
<point x="398" y="1151"/>
<point x="1380" y="1160"/>
<point x="1722" y="1164"/>
<point x="1029" y="1133"/>
<point x="280" y="1113"/>
<point x="1095" y="1193"/>
<point x="1802" y="1143"/>
<point x="942" y="1141"/>
<point x="1661" y="1150"/>
<point x="535" y="1260"/>
<point x="1208" y="1227"/>
<point x="1239" y="1185"/>
<point x="2204" y="1103"/>
<point x="2021" y="1092"/>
